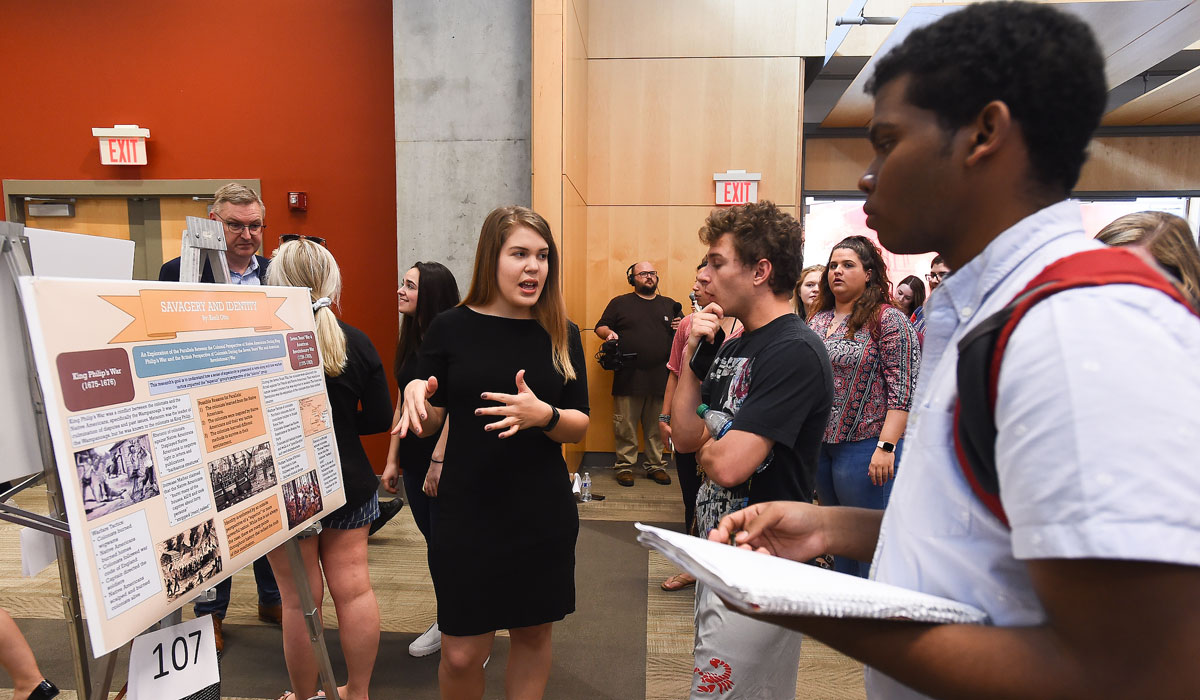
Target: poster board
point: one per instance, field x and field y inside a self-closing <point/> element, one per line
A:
<point x="53" y="253"/>
<point x="191" y="431"/>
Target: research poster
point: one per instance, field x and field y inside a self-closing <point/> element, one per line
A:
<point x="191" y="430"/>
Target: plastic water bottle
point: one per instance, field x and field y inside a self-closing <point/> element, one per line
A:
<point x="585" y="487"/>
<point x="718" y="422"/>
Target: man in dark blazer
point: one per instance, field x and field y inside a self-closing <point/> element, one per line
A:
<point x="242" y="212"/>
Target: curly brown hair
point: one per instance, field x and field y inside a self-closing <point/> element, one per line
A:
<point x="868" y="308"/>
<point x="761" y="231"/>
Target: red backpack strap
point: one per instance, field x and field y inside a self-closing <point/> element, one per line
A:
<point x="981" y="353"/>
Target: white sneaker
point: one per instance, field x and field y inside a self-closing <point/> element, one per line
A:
<point x="430" y="642"/>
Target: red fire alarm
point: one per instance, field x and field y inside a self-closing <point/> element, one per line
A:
<point x="298" y="201"/>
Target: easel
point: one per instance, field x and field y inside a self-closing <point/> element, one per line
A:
<point x="203" y="240"/>
<point x="14" y="248"/>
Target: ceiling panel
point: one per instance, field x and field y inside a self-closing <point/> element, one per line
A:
<point x="1174" y="102"/>
<point x="1134" y="36"/>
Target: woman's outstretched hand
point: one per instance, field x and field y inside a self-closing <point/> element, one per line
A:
<point x="415" y="408"/>
<point x="519" y="411"/>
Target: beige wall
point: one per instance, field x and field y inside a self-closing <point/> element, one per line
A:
<point x="1116" y="164"/>
<point x="653" y="98"/>
<point x="637" y="103"/>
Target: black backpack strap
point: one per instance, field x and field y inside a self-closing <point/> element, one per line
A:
<point x="981" y="353"/>
<point x="974" y="424"/>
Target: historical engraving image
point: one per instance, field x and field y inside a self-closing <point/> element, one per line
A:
<point x="238" y="476"/>
<point x="116" y="476"/>
<point x="189" y="559"/>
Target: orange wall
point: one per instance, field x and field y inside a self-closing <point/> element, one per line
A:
<point x="297" y="93"/>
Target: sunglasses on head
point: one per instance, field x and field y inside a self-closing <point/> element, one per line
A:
<point x="299" y="236"/>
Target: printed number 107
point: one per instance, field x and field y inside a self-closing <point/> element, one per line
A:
<point x="179" y="642"/>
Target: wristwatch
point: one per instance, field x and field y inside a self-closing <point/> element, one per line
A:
<point x="554" y="416"/>
<point x="886" y="446"/>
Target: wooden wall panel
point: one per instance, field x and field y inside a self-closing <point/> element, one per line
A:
<point x="835" y="164"/>
<point x="574" y="269"/>
<point x="659" y="129"/>
<point x="1116" y="164"/>
<point x="700" y="28"/>
<point x="575" y="102"/>
<point x="574" y="254"/>
<point x="1163" y="163"/>
<point x="582" y="16"/>
<point x="547" y="112"/>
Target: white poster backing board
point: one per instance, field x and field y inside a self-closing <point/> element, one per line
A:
<point x="61" y="255"/>
<point x="157" y="398"/>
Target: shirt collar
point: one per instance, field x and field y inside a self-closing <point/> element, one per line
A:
<point x="969" y="286"/>
<point x="251" y="270"/>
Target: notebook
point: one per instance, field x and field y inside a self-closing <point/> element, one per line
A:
<point x="760" y="583"/>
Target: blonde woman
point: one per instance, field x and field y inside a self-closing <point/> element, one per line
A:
<point x="507" y="368"/>
<point x="808" y="287"/>
<point x="360" y="404"/>
<point x="1167" y="238"/>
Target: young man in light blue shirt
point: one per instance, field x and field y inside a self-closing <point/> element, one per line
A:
<point x="980" y="130"/>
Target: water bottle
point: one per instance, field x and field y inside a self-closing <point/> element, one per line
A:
<point x="718" y="422"/>
<point x="585" y="487"/>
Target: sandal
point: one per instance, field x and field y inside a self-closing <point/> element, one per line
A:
<point x="678" y="582"/>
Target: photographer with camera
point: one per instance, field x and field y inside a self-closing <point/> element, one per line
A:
<point x="642" y="323"/>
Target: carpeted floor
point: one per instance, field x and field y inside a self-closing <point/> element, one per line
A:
<point x="626" y="640"/>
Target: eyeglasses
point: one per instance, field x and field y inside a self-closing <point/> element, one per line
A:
<point x="236" y="227"/>
<point x="299" y="236"/>
<point x="646" y="273"/>
<point x="935" y="276"/>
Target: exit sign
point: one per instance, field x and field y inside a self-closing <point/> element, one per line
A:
<point x="124" y="144"/>
<point x="736" y="187"/>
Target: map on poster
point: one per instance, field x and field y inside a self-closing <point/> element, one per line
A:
<point x="191" y="433"/>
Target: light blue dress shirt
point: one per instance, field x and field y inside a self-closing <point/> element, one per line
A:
<point x="1098" y="416"/>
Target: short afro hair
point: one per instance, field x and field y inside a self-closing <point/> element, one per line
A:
<point x="761" y="231"/>
<point x="1044" y="64"/>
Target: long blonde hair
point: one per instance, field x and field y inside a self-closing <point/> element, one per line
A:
<point x="302" y="263"/>
<point x="1167" y="237"/>
<point x="550" y="310"/>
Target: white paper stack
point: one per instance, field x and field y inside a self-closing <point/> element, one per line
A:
<point x="759" y="583"/>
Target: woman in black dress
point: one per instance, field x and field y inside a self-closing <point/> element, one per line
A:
<point x="507" y="368"/>
<point x="428" y="288"/>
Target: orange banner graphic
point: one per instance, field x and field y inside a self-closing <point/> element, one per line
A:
<point x="159" y="314"/>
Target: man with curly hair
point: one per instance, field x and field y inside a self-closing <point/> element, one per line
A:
<point x="1090" y="571"/>
<point x="776" y="383"/>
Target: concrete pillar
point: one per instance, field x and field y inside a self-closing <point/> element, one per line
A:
<point x="462" y="103"/>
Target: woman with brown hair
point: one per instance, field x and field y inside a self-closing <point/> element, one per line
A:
<point x="1167" y="238"/>
<point x="507" y="368"/>
<point x="875" y="354"/>
<point x="910" y="298"/>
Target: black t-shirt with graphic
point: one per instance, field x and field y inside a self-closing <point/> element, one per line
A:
<point x="776" y="381"/>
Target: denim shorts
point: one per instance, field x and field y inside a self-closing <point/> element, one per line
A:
<point x="353" y="519"/>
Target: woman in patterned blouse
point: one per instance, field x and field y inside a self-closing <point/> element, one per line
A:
<point x="875" y="355"/>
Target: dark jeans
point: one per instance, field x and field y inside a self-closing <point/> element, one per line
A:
<point x="843" y="480"/>
<point x="689" y="483"/>
<point x="268" y="591"/>
<point x="414" y="481"/>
